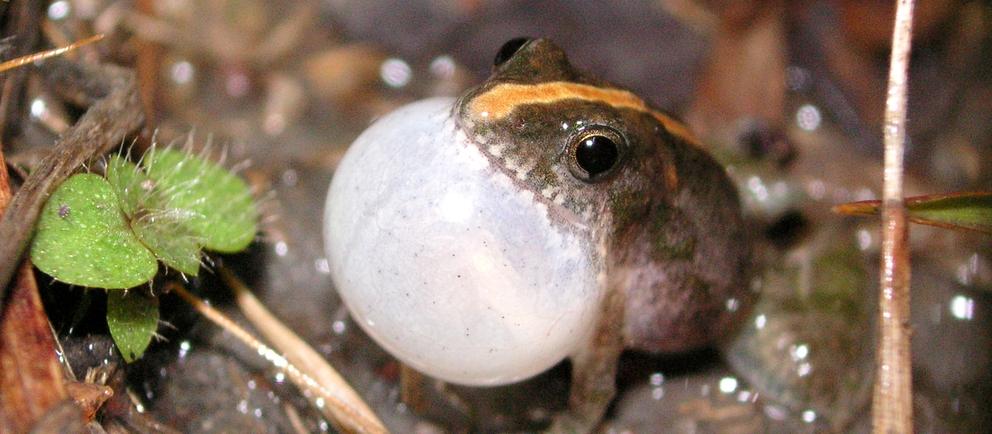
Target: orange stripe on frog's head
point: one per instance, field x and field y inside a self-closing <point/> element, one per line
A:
<point x="500" y="100"/>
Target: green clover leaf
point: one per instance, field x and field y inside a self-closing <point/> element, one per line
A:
<point x="84" y="239"/>
<point x="155" y="221"/>
<point x="221" y="208"/>
<point x="132" y="319"/>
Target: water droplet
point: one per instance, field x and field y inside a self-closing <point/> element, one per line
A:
<point x="728" y="384"/>
<point x="38" y="107"/>
<point x="59" y="10"/>
<point x="184" y="348"/>
<point x="443" y="67"/>
<point x="281" y="248"/>
<point x="182" y="72"/>
<point x="962" y="307"/>
<point x="395" y="72"/>
<point x="799" y="352"/>
<point x="733" y="304"/>
<point x="808" y="117"/>
<point x="338" y="327"/>
<point x="657" y="379"/>
<point x="744" y="396"/>
<point x="759" y="321"/>
<point x="865" y="239"/>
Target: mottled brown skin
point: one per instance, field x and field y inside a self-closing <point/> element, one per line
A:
<point x="666" y="218"/>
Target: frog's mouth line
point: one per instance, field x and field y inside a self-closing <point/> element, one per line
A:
<point x="557" y="213"/>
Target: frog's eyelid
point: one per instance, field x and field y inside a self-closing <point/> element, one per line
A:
<point x="592" y="129"/>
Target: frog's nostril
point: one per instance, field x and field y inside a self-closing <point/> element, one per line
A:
<point x="509" y="49"/>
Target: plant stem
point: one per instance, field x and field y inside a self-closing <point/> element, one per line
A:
<point x="297" y="351"/>
<point x="42" y="55"/>
<point x="892" y="403"/>
<point x="336" y="400"/>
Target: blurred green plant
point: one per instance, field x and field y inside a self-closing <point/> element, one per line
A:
<point x="970" y="211"/>
<point x="110" y="232"/>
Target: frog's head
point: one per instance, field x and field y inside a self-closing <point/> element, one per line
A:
<point x="476" y="238"/>
<point x="599" y="155"/>
<point x="581" y="145"/>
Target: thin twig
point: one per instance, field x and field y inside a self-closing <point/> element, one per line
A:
<point x="114" y="111"/>
<point x="333" y="400"/>
<point x="892" y="405"/>
<point x="297" y="351"/>
<point x="42" y="55"/>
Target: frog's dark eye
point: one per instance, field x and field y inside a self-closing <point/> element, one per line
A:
<point x="594" y="154"/>
<point x="508" y="50"/>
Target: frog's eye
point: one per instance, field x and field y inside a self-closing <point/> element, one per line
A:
<point x="594" y="154"/>
<point x="508" y="50"/>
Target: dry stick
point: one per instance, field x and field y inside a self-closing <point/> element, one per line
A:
<point x="295" y="349"/>
<point x="24" y="60"/>
<point x="339" y="402"/>
<point x="114" y="111"/>
<point x="892" y="403"/>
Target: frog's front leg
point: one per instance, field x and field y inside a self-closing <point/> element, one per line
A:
<point x="594" y="369"/>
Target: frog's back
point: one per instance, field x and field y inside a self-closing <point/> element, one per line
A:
<point x="687" y="272"/>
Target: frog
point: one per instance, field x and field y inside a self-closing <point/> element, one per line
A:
<point x="543" y="215"/>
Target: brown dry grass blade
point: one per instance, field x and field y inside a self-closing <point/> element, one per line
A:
<point x="335" y="399"/>
<point x="967" y="211"/>
<point x="24" y="60"/>
<point x="302" y="355"/>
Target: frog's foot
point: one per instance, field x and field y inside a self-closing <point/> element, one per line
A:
<point x="593" y="388"/>
<point x="594" y="372"/>
<point x="571" y="423"/>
